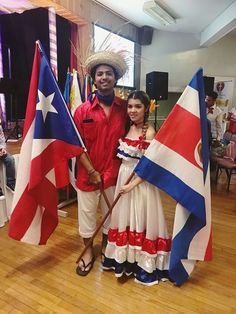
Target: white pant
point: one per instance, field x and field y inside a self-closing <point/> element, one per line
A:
<point x="87" y="210"/>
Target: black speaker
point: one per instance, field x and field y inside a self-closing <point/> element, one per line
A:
<point x="145" y="35"/>
<point x="208" y="84"/>
<point x="157" y="85"/>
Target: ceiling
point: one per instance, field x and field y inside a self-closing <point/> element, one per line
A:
<point x="19" y="6"/>
<point x="211" y="19"/>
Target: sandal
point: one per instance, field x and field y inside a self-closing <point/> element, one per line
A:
<point x="81" y="271"/>
<point x="102" y="257"/>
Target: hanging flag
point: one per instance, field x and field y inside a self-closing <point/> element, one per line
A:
<point x="177" y="161"/>
<point x="75" y="96"/>
<point x="75" y="101"/>
<point x="87" y="87"/>
<point x="50" y="137"/>
<point x="66" y="93"/>
<point x="152" y="105"/>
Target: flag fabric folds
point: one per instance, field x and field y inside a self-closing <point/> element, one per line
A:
<point x="177" y="161"/>
<point x="87" y="87"/>
<point x="75" y="95"/>
<point x="66" y="93"/>
<point x="50" y="137"/>
<point x="72" y="96"/>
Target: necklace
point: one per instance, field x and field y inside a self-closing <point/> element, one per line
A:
<point x="142" y="126"/>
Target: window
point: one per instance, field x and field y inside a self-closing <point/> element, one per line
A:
<point x="104" y="39"/>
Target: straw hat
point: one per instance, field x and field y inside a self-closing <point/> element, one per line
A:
<point x="113" y="59"/>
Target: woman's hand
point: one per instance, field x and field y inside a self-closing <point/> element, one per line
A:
<point x="127" y="188"/>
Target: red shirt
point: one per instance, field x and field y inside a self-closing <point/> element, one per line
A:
<point x="100" y="135"/>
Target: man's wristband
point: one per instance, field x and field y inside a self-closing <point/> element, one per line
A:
<point x="91" y="171"/>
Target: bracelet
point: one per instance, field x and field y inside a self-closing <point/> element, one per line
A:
<point x="91" y="171"/>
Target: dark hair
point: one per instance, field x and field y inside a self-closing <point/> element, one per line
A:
<point x="94" y="69"/>
<point x="142" y="96"/>
<point x="214" y="95"/>
<point x="145" y="100"/>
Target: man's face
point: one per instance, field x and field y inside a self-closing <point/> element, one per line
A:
<point x="209" y="101"/>
<point x="105" y="79"/>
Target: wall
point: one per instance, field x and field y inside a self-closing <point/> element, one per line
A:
<point x="95" y="13"/>
<point x="178" y="54"/>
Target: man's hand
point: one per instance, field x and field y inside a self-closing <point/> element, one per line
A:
<point x="2" y="152"/>
<point x="95" y="178"/>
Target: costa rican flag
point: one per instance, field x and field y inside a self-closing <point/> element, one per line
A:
<point x="177" y="161"/>
<point x="50" y="138"/>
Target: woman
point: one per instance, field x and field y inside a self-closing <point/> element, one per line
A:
<point x="138" y="241"/>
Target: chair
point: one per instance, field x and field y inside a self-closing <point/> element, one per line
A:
<point x="227" y="163"/>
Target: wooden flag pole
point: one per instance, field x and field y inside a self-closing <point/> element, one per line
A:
<point x="110" y="208"/>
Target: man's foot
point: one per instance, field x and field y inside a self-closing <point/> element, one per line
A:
<point x="83" y="269"/>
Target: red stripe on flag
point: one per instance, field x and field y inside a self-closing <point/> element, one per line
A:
<point x="49" y="158"/>
<point x="50" y="202"/>
<point x="32" y="97"/>
<point x="62" y="174"/>
<point x="24" y="212"/>
<point x="208" y="254"/>
<point x="181" y="132"/>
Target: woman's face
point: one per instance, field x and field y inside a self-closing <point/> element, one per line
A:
<point x="136" y="111"/>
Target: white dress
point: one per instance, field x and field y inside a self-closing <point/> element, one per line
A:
<point x="138" y="241"/>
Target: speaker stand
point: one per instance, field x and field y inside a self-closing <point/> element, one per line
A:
<point x="16" y="132"/>
<point x="156" y="125"/>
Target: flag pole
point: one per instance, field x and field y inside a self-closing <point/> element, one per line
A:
<point x="110" y="208"/>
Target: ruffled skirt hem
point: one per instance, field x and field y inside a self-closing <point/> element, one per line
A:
<point x="141" y="276"/>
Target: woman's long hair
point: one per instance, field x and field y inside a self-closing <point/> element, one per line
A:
<point x="145" y="100"/>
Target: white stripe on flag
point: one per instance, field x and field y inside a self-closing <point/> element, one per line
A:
<point x="39" y="145"/>
<point x="24" y="161"/>
<point x="178" y="167"/>
<point x="188" y="265"/>
<point x="33" y="234"/>
<point x="181" y="216"/>
<point x="192" y="97"/>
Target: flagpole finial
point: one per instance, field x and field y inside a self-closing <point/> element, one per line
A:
<point x="38" y="43"/>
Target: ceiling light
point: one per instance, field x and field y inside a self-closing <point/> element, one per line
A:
<point x="156" y="12"/>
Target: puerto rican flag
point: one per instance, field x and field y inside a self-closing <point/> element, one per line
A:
<point x="177" y="161"/>
<point x="50" y="138"/>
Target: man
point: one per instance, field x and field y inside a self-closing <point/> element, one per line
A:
<point x="101" y="122"/>
<point x="214" y="115"/>
<point x="8" y="161"/>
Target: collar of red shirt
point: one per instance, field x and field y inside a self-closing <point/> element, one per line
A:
<point x="95" y="102"/>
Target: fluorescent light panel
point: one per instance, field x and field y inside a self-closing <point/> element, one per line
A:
<point x="156" y="12"/>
